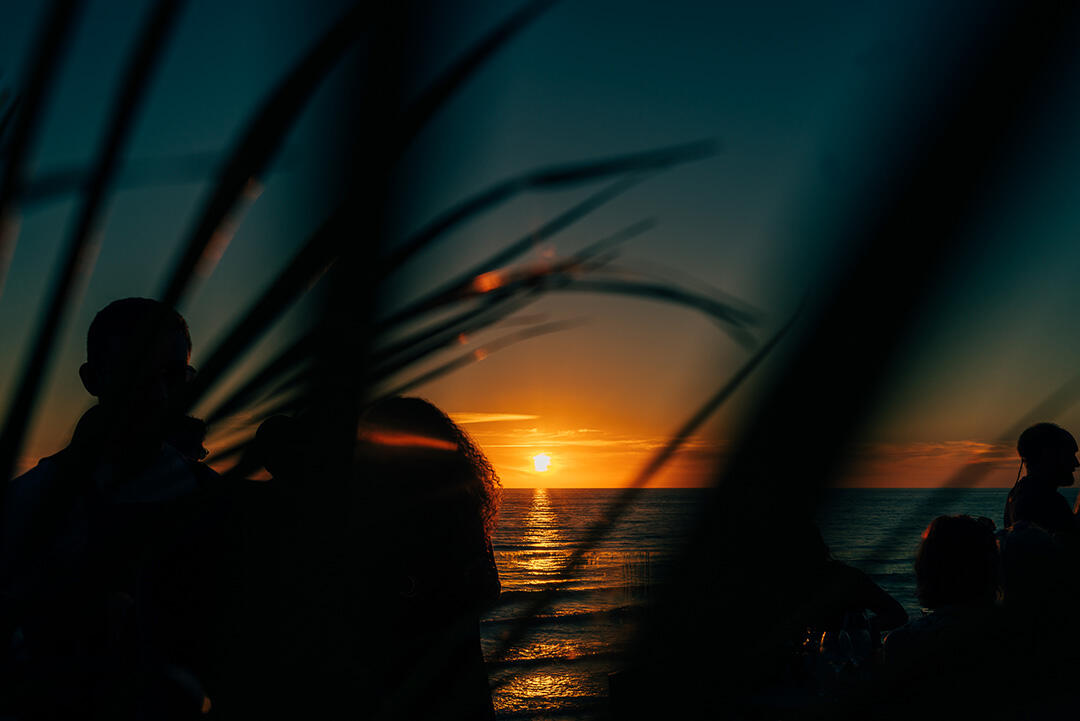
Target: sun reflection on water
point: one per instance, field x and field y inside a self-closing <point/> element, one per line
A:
<point x="562" y="663"/>
<point x="551" y="691"/>
<point x="541" y="533"/>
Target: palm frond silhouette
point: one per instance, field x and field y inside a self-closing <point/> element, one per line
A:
<point x="899" y="236"/>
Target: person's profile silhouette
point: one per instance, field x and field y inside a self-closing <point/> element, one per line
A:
<point x="80" y="526"/>
<point x="1048" y="452"/>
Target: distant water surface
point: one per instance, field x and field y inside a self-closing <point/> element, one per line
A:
<point x="560" y="670"/>
<point x="878" y="530"/>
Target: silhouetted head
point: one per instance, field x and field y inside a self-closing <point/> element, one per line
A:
<point x="957" y="562"/>
<point x="281" y="447"/>
<point x="1049" y="452"/>
<point x="415" y="455"/>
<point x="137" y="353"/>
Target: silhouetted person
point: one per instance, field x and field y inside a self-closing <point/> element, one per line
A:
<point x="79" y="527"/>
<point x="1049" y="453"/>
<point x="838" y="590"/>
<point x="949" y="658"/>
<point x="1039" y="587"/>
<point x="799" y="632"/>
<point x="1034" y="571"/>
<point x="1041" y="590"/>
<point x="431" y="497"/>
<point x="826" y="615"/>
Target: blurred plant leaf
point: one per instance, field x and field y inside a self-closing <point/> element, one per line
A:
<point x="598" y="530"/>
<point x="550" y="178"/>
<point x="81" y="251"/>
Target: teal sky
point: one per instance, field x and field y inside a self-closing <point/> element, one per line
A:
<point x="800" y="97"/>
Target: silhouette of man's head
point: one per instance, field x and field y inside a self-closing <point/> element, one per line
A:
<point x="957" y="562"/>
<point x="1049" y="451"/>
<point x="137" y="353"/>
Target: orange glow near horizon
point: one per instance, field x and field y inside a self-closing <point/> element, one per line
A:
<point x="533" y="450"/>
<point x="536" y="450"/>
<point x="588" y="451"/>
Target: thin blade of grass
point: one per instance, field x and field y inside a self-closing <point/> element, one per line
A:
<point x="527" y="287"/>
<point x="497" y="305"/>
<point x="460" y="284"/>
<point x="731" y="319"/>
<point x="297" y="380"/>
<point x="315" y="258"/>
<point x="300" y="376"/>
<point x="651" y="270"/>
<point x="55" y="184"/>
<point x="421" y="111"/>
<point x="301" y="273"/>
<point x="551" y="178"/>
<point x="292" y="404"/>
<point x="278" y="113"/>
<point x="80" y="253"/>
<point x="1056" y="403"/>
<point x="296" y="353"/>
<point x="301" y="349"/>
<point x="5" y="121"/>
<point x="598" y="530"/>
<point x="48" y="50"/>
<point x="260" y="143"/>
<point x="321" y="250"/>
<point x="428" y="341"/>
<point x="422" y="344"/>
<point x="480" y="354"/>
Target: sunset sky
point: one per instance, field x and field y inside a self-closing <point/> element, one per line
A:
<point x="794" y="94"/>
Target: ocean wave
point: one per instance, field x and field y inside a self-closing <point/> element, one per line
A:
<point x="516" y="665"/>
<point x="616" y="613"/>
<point x="561" y="708"/>
<point x="557" y="592"/>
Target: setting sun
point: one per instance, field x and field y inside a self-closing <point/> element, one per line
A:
<point x="541" y="462"/>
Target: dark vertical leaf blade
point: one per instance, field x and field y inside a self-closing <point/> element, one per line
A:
<point x="139" y="70"/>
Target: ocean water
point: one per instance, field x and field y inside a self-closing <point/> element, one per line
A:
<point x="559" y="669"/>
<point x="878" y="531"/>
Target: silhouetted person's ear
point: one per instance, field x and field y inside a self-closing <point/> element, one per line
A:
<point x="90" y="381"/>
